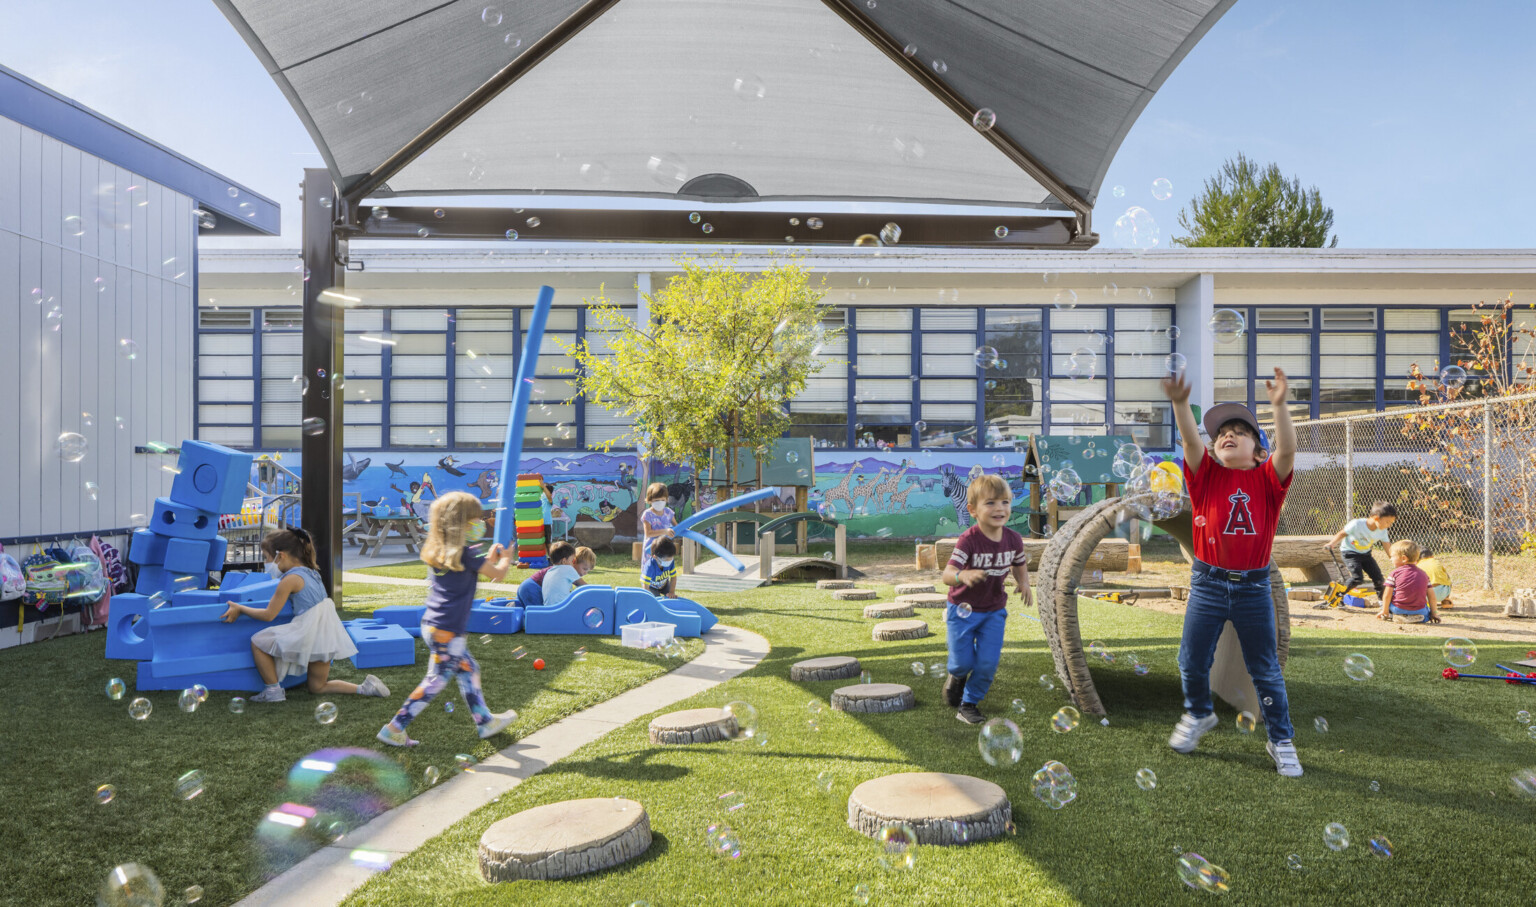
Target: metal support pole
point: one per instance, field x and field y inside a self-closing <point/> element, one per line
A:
<point x="1349" y="470"/>
<point x="1488" y="495"/>
<point x="324" y="337"/>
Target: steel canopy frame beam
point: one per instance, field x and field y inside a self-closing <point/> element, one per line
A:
<point x="533" y="56"/>
<point x="324" y="340"/>
<point x="726" y="225"/>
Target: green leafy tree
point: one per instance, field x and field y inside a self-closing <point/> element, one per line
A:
<point x="1245" y="206"/>
<point x="723" y="354"/>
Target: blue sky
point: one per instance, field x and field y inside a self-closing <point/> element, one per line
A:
<point x="1414" y="119"/>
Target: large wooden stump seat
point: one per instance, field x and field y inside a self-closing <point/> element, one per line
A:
<point x="941" y="808"/>
<point x="899" y="629"/>
<point x="692" y="726"/>
<point x="830" y="667"/>
<point x="559" y="840"/>
<point x="888" y="610"/>
<point x="873" y="697"/>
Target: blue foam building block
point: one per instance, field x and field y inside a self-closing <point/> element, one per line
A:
<point x="146" y="547"/>
<point x="212" y="477"/>
<point x="407" y="616"/>
<point x="152" y="578"/>
<point x="380" y="645"/>
<point x="499" y="615"/>
<point x="637" y="605"/>
<point x="127" y="632"/>
<point x="568" y="616"/>
<point x="216" y="551"/>
<point x="192" y="645"/>
<point x="232" y="581"/>
<point x="184" y="556"/>
<point x="183" y="522"/>
<point x="154" y="677"/>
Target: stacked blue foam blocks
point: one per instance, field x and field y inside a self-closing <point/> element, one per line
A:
<point x="588" y="611"/>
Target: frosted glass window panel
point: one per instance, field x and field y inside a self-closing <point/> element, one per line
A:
<point x="559" y="319"/>
<point x="949" y="412"/>
<point x="948" y="389"/>
<point x="364" y="389"/>
<point x="224" y="344"/>
<point x="484" y="367"/>
<point x="1293" y="365"/>
<point x="417" y="436"/>
<point x="364" y="366"/>
<point x="418" y="390"/>
<point x="418" y="366"/>
<point x="884" y="320"/>
<point x="274" y="366"/>
<point x="1137" y="321"/>
<point x="551" y="366"/>
<point x="1079" y="319"/>
<point x="355" y="345"/>
<point x="1090" y="366"/>
<point x="477" y="318"/>
<point x="558" y="412"/>
<point x="280" y="436"/>
<point x="958" y="365"/>
<point x="229" y="436"/>
<point x="480" y="414"/>
<point x="883" y="390"/>
<point x="884" y="344"/>
<point x="418" y="319"/>
<point x="1145" y="342"/>
<point x="1077" y="419"/>
<point x="286" y="344"/>
<point x="820" y="390"/>
<point x="224" y="366"/>
<point x="1411" y="319"/>
<point x="1228" y="366"/>
<point x="418" y="413"/>
<point x="1347" y="367"/>
<point x="604" y="434"/>
<point x="281" y="413"/>
<point x="1070" y="341"/>
<point x="364" y="437"/>
<point x="275" y="390"/>
<point x="1082" y="389"/>
<point x="949" y="320"/>
<point x="483" y="343"/>
<point x="493" y="389"/>
<point x="870" y="366"/>
<point x="420" y="344"/>
<point x="479" y="435"/>
<point x="551" y="391"/>
<point x="1146" y="365"/>
<point x="950" y="344"/>
<point x="884" y="411"/>
<point x="218" y="391"/>
<point x="1139" y="390"/>
<point x="1347" y="345"/>
<point x="363" y="413"/>
<point x="231" y="414"/>
<point x="361" y="320"/>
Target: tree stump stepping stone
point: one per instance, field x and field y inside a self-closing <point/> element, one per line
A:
<point x="941" y="808"/>
<point x="873" y="697"/>
<point x="564" y="839"/>
<point x="834" y="584"/>
<point x="887" y="610"/>
<point x="900" y="629"/>
<point x="692" y="726"/>
<point x="832" y="667"/>
<point x="914" y="588"/>
<point x="924" y="599"/>
<point x="854" y="595"/>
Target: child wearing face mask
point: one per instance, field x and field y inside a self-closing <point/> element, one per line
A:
<point x="315" y="636"/>
<point x="562" y="579"/>
<point x="656" y="521"/>
<point x="661" y="573"/>
<point x="450" y="552"/>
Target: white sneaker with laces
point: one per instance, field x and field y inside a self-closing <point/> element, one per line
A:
<point x="1187" y="733"/>
<point x="498" y="723"/>
<point x="388" y="734"/>
<point x="372" y="686"/>
<point x="277" y="695"/>
<point x="1287" y="762"/>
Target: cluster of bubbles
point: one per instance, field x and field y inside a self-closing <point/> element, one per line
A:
<point x="1054" y="785"/>
<point x="723" y="841"/>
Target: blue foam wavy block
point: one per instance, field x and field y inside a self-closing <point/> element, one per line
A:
<point x="569" y="616"/>
<point x="380" y="644"/>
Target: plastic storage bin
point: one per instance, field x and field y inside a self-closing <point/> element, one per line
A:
<point x="646" y="634"/>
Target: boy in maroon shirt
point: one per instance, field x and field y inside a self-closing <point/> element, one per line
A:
<point x="1236" y="490"/>
<point x="977" y="610"/>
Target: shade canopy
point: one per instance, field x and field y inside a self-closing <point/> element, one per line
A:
<point x="1019" y="103"/>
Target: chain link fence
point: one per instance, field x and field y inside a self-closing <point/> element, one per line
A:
<point x="1462" y="475"/>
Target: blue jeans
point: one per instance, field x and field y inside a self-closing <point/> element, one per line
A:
<point x="975" y="648"/>
<point x="1215" y="598"/>
<point x="1418" y="612"/>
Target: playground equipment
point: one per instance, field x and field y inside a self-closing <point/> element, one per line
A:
<point x="1056" y="590"/>
<point x="1091" y="458"/>
<point x="736" y="572"/>
<point x="528" y="514"/>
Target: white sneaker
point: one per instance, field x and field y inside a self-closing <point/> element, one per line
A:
<point x="276" y="695"/>
<point x="498" y="723"/>
<point x="388" y="734"/>
<point x="1187" y="733"/>
<point x="372" y="686"/>
<point x="1287" y="762"/>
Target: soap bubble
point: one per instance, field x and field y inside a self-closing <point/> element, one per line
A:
<point x="105" y="793"/>
<point x="1293" y="863"/>
<point x="1118" y="192"/>
<point x="984" y="119"/>
<point x="431" y="775"/>
<point x="1065" y="300"/>
<point x="1246" y="722"/>
<point x="313" y="426"/>
<point x="1359" y="667"/>
<point x="1523" y="782"/>
<point x="1227" y="325"/>
<point x="327" y="794"/>
<point x="1335" y="836"/>
<point x="1375" y="787"/>
<point x="815" y="223"/>
<point x="1162" y="189"/>
<point x="593" y="618"/>
<point x="200" y="691"/>
<point x="826" y="512"/>
<point x="1019" y="706"/>
<point x="866" y="677"/>
<point x="1201" y="874"/>
<point x="1046" y="683"/>
<point x="861" y="893"/>
<point x="1000" y="742"/>
<point x="448" y="706"/>
<point x="190" y="785"/>
<point x="72" y="447"/>
<point x="938" y="669"/>
<point x="890" y="234"/>
<point x="116" y="688"/>
<point x="985" y="357"/>
<point x="792" y="457"/>
<point x="1175" y="365"/>
<point x="1453" y="376"/>
<point x="824" y="782"/>
<point x="1146" y="779"/>
<point x="919" y="669"/>
<point x="193" y="894"/>
<point x="723" y="841"/>
<point x="534" y="223"/>
<point x="131" y="885"/>
<point x="898" y="846"/>
<point x="128" y="349"/>
<point x="1138" y="228"/>
<point x="1065" y="719"/>
<point x="1142" y="669"/>
<point x="1065" y="485"/>
<point x="1523" y="716"/>
<point x="188" y="701"/>
<point x="1459" y="652"/>
<point x="140" y="708"/>
<point x="1382" y="847"/>
<point x="237" y="705"/>
<point x="1320" y="724"/>
<point x="325" y="713"/>
<point x="1001" y="232"/>
<point x="963" y="611"/>
<point x="1054" y="785"/>
<point x="744" y="725"/>
<point x="1172" y="333"/>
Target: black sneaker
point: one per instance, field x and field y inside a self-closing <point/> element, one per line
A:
<point x="970" y="714"/>
<point x="954" y="688"/>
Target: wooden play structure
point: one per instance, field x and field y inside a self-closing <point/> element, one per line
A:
<point x="1091" y="457"/>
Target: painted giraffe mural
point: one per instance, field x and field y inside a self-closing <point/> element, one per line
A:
<point x="839" y="492"/>
<point x="867" y="490"/>
<point x="889" y="486"/>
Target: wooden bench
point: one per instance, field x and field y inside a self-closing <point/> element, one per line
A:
<point x="594" y="534"/>
<point x="1307" y="553"/>
<point x="1110" y="556"/>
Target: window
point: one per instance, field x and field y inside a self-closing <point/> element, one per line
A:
<point x="282" y="380"/>
<point x="364" y="349"/>
<point x="485" y="370"/>
<point x="1413" y="339"/>
<point x="947" y="382"/>
<point x="1141" y="347"/>
<point x="1014" y="392"/>
<point x="1346" y="378"/>
<point x="551" y="420"/>
<point x="1080" y="372"/>
<point x="225" y="373"/>
<point x="1293" y="353"/>
<point x="883" y="377"/>
<point x="418" y="384"/>
<point x="604" y="424"/>
<point x="1466" y="325"/>
<point x="820" y="412"/>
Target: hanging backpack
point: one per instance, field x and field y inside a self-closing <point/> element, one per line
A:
<point x="45" y="587"/>
<point x="112" y="565"/>
<point x="13" y="583"/>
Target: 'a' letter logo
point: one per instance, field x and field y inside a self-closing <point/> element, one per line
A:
<point x="1239" y="520"/>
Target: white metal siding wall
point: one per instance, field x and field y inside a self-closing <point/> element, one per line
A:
<point x="128" y="275"/>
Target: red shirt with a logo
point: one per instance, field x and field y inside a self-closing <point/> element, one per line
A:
<point x="974" y="551"/>
<point x="1235" y="512"/>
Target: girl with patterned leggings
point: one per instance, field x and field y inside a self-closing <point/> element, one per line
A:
<point x="456" y="566"/>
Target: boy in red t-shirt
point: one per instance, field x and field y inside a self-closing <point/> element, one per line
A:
<point x="977" y="610"/>
<point x="1236" y="489"/>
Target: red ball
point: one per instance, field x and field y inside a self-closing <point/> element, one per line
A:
<point x="538" y="664"/>
<point x="1450" y="674"/>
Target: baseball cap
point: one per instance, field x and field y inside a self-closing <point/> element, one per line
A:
<point x="1222" y="413"/>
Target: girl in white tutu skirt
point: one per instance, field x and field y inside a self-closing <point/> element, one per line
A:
<point x="315" y="636"/>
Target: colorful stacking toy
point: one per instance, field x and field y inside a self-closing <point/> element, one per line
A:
<point x="528" y="512"/>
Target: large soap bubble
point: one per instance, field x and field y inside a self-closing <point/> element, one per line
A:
<point x="327" y="794"/>
<point x="1000" y="742"/>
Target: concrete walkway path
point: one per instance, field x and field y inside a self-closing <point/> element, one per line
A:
<point x="407" y="581"/>
<point x="328" y="876"/>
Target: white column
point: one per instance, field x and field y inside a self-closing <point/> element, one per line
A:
<point x="1193" y="304"/>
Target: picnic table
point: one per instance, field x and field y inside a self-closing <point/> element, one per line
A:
<point x="594" y="534"/>
<point x="374" y="532"/>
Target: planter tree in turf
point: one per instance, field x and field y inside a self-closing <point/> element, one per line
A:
<point x="722" y="353"/>
<point x="1245" y="206"/>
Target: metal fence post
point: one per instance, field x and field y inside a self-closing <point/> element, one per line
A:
<point x="1349" y="470"/>
<point x="1488" y="495"/>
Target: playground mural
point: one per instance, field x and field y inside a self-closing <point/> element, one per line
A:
<point x="876" y="494"/>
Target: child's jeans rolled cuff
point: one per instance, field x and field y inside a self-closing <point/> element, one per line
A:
<point x="1420" y="615"/>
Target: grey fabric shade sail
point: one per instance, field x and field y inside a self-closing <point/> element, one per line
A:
<point x="724" y="101"/>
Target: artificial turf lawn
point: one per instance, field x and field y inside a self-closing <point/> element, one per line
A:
<point x="1443" y="753"/>
<point x="62" y="737"/>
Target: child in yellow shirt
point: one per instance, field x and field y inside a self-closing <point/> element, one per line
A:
<point x="1439" y="580"/>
